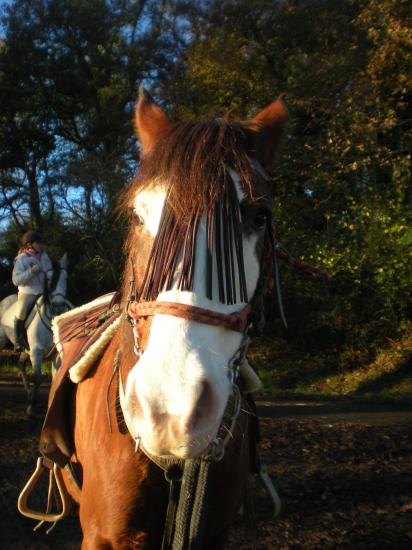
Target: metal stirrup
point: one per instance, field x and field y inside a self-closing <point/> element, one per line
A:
<point x="44" y="464"/>
<point x="271" y="491"/>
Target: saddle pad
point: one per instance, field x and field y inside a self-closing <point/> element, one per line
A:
<point x="82" y="334"/>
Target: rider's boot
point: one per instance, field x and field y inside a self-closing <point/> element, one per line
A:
<point x="19" y="341"/>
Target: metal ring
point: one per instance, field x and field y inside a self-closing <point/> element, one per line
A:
<point x="217" y="450"/>
<point x="174" y="472"/>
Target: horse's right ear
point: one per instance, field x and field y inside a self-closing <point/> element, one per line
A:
<point x="151" y="122"/>
<point x="64" y="260"/>
<point x="266" y="130"/>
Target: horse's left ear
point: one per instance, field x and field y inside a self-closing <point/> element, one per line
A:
<point x="63" y="260"/>
<point x="150" y="121"/>
<point x="266" y="130"/>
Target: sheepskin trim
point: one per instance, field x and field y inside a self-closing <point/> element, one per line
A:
<point x="78" y="371"/>
<point x="252" y="382"/>
<point x="72" y="313"/>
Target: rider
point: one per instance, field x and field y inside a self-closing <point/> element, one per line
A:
<point x="32" y="267"/>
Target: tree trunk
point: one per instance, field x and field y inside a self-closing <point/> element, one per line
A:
<point x="34" y="205"/>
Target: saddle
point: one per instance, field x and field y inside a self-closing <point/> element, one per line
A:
<point x="80" y="335"/>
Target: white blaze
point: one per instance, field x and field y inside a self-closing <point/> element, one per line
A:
<point x="148" y="205"/>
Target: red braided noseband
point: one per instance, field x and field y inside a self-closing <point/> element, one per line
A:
<point x="237" y="321"/>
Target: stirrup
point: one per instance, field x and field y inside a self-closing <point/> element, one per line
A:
<point x="65" y="500"/>
<point x="270" y="490"/>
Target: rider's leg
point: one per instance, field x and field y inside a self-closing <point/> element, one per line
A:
<point x="24" y="304"/>
<point x="19" y="343"/>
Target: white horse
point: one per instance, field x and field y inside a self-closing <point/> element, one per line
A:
<point x="38" y="324"/>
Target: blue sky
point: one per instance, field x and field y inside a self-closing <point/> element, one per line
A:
<point x="3" y="3"/>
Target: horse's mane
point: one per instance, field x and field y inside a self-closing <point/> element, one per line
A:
<point x="193" y="157"/>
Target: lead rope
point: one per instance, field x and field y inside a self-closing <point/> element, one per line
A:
<point x="173" y="475"/>
<point x="275" y="246"/>
<point x="191" y="516"/>
<point x="198" y="520"/>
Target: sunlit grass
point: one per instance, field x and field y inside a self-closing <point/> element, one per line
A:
<point x="13" y="370"/>
<point x="284" y="369"/>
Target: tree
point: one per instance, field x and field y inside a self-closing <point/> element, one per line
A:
<point x="69" y="74"/>
<point x="343" y="183"/>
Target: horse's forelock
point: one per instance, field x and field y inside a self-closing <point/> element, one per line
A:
<point x="192" y="159"/>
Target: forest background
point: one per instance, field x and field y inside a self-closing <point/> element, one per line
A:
<point x="69" y="74"/>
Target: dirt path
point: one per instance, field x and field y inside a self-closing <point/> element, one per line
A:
<point x="338" y="410"/>
<point x="330" y="410"/>
<point x="343" y="470"/>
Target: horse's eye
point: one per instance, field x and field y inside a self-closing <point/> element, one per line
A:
<point x="260" y="220"/>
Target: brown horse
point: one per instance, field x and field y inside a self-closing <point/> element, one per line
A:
<point x="200" y="255"/>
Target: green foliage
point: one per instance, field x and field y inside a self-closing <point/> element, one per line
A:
<point x="69" y="73"/>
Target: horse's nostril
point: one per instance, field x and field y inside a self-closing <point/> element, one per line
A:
<point x="202" y="408"/>
<point x="195" y="419"/>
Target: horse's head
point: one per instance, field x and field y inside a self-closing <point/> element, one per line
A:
<point x="199" y="250"/>
<point x="58" y="286"/>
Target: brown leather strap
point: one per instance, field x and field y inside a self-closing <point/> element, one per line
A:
<point x="237" y="321"/>
<point x="284" y="254"/>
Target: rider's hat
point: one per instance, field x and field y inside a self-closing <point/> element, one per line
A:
<point x="31" y="237"/>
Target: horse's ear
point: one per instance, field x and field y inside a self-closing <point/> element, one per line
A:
<point x="266" y="130"/>
<point x="150" y="121"/>
<point x="63" y="260"/>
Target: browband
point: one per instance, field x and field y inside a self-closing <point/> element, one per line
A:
<point x="237" y="321"/>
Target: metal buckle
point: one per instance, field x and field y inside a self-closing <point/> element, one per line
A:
<point x="217" y="450"/>
<point x="136" y="347"/>
<point x="237" y="359"/>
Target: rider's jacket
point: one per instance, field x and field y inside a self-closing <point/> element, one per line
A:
<point x="24" y="278"/>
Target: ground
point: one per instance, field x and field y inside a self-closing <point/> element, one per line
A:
<point x="343" y="470"/>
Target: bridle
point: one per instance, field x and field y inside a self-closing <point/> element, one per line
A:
<point x="246" y="320"/>
<point x="141" y="305"/>
<point x="250" y="318"/>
